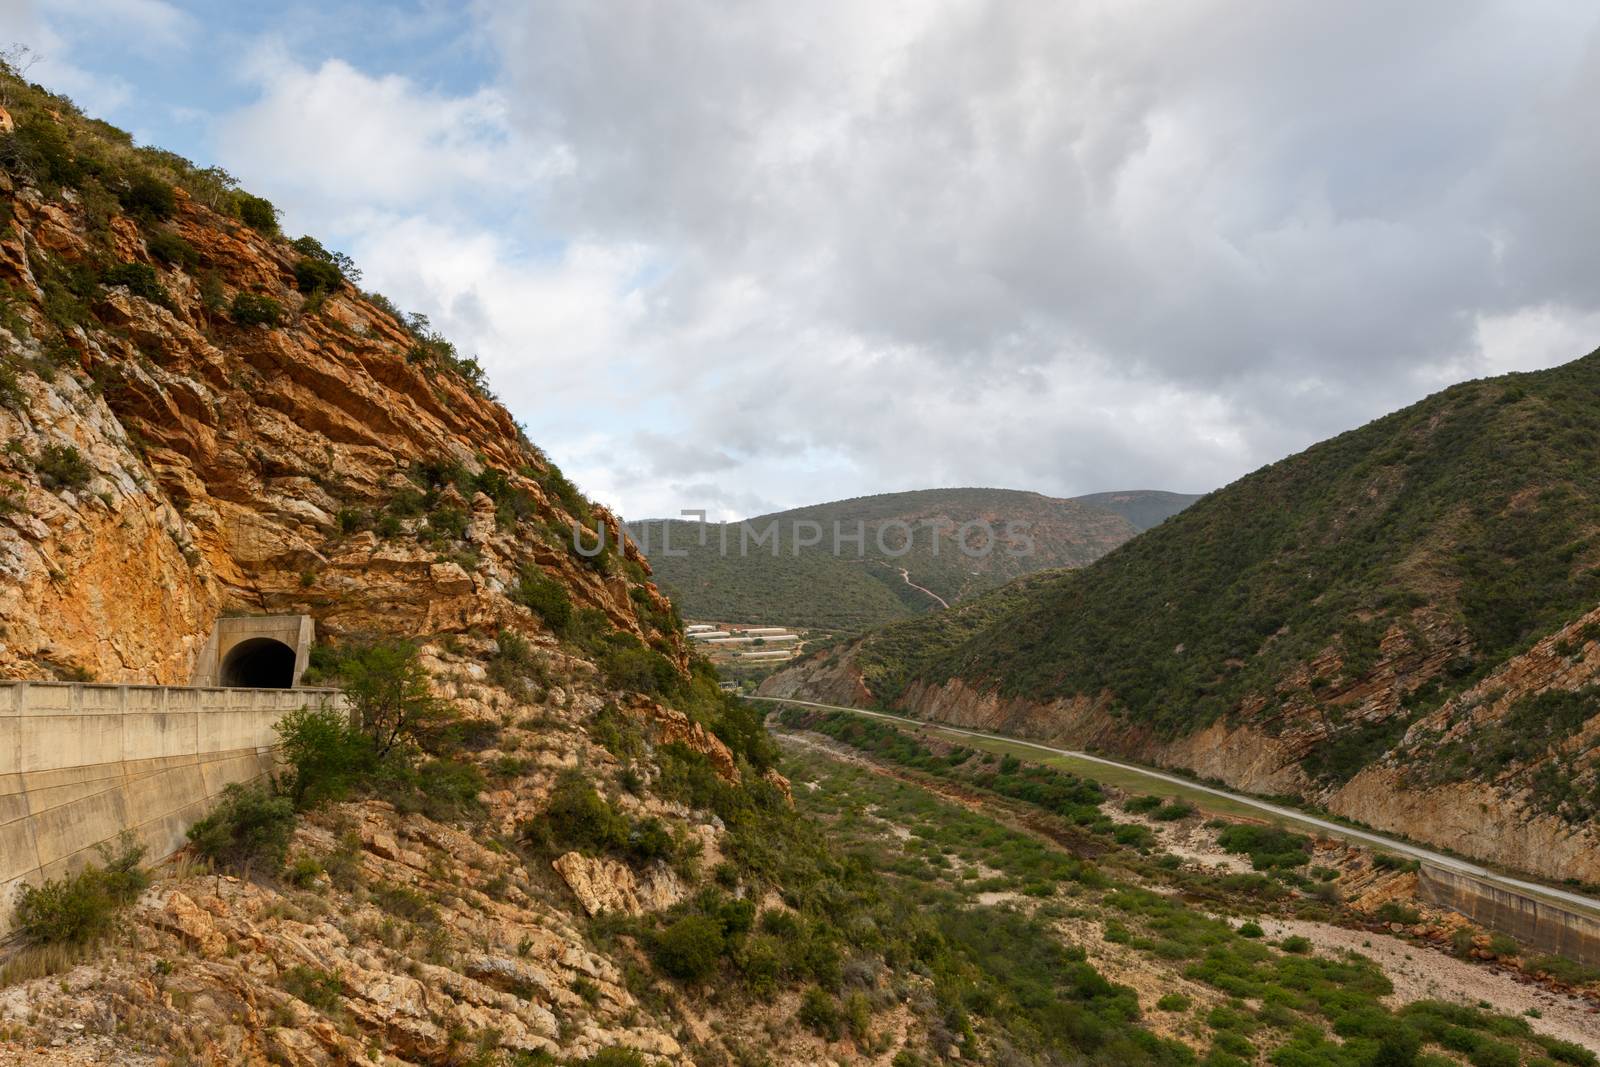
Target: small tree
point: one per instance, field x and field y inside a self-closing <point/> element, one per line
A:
<point x="327" y="755"/>
<point x="258" y="213"/>
<point x="387" y="686"/>
<point x="690" y="948"/>
<point x="248" y="830"/>
<point x="250" y="309"/>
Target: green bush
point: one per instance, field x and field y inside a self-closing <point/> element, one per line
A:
<point x="140" y="279"/>
<point x="327" y="756"/>
<point x="1494" y="1054"/>
<point x="62" y="467"/>
<point x="79" y="908"/>
<point x="448" y="524"/>
<point x="313" y="275"/>
<point x="318" y="988"/>
<point x="545" y="596"/>
<point x="171" y="249"/>
<point x="820" y="1014"/>
<point x="258" y="213"/>
<point x="1392" y="911"/>
<point x="1251" y="930"/>
<point x="690" y="948"/>
<point x="1172" y="1002"/>
<point x="249" y="830"/>
<point x="1269" y="847"/>
<point x="442" y="789"/>
<point x="251" y="309"/>
<point x="1173" y="810"/>
<point x="147" y="197"/>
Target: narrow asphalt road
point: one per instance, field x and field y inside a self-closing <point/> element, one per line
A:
<point x="1337" y="829"/>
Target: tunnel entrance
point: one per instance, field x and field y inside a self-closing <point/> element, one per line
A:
<point x="258" y="663"/>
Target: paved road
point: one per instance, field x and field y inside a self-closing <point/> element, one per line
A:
<point x="1338" y="829"/>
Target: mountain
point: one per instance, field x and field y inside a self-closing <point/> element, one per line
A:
<point x="1142" y="507"/>
<point x="547" y="837"/>
<point x="543" y="835"/>
<point x="723" y="574"/>
<point x="1398" y="623"/>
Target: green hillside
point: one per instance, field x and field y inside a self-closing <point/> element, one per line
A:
<point x="1142" y="507"/>
<point x="1468" y="521"/>
<point x="861" y="586"/>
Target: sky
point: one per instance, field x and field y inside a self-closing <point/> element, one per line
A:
<point x="739" y="257"/>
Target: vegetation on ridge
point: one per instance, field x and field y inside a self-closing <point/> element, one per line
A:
<point x="1465" y="523"/>
<point x="734" y="577"/>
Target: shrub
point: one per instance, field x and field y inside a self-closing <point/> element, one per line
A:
<point x="1173" y="1002"/>
<point x="819" y="1013"/>
<point x="690" y="948"/>
<point x="11" y="394"/>
<point x="441" y="789"/>
<point x="1296" y="945"/>
<point x="577" y="817"/>
<point x="387" y="688"/>
<point x="1494" y="1054"/>
<point x="1392" y="911"/>
<point x="1269" y="847"/>
<point x="545" y="596"/>
<point x="1251" y="930"/>
<point x="79" y="908"/>
<point x="1173" y="810"/>
<point x="171" y="249"/>
<point x="62" y="467"/>
<point x="312" y="275"/>
<point x="258" y="213"/>
<point x="447" y="524"/>
<point x="248" y="830"/>
<point x="139" y="279"/>
<point x="327" y="756"/>
<point x="147" y="197"/>
<point x="342" y="264"/>
<point x="251" y="309"/>
<point x="318" y="988"/>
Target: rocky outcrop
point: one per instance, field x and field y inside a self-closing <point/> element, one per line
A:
<point x="1495" y="819"/>
<point x="1262" y="751"/>
<point x="603" y="885"/>
<point x="221" y="467"/>
<point x="833" y="678"/>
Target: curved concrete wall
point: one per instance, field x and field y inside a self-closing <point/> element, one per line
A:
<point x="1543" y="924"/>
<point x="81" y="763"/>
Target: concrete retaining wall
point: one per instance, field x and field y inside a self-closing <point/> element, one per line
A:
<point x="81" y="763"/>
<point x="1545" y="926"/>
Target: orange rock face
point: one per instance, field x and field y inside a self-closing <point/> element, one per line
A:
<point x="248" y="468"/>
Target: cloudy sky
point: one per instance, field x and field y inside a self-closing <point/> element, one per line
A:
<point x="741" y="256"/>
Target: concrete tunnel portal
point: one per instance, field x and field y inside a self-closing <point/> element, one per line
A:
<point x="256" y="652"/>
<point x="258" y="663"/>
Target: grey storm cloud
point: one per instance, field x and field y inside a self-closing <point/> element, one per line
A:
<point x="1294" y="211"/>
<point x="746" y="256"/>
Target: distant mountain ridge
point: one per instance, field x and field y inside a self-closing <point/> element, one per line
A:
<point x="877" y="576"/>
<point x="1401" y="623"/>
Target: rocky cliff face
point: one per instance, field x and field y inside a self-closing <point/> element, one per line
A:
<point x="164" y="464"/>
<point x="1529" y="806"/>
<point x="168" y="457"/>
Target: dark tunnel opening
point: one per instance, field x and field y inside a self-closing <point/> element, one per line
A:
<point x="258" y="663"/>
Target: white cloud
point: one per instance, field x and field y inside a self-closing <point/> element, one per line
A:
<point x="145" y="27"/>
<point x="727" y="257"/>
<point x="334" y="138"/>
